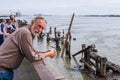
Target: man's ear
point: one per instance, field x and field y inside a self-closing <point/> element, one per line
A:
<point x="32" y="22"/>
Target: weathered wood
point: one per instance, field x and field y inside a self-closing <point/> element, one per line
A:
<point x="81" y="51"/>
<point x="67" y="35"/>
<point x="42" y="71"/>
<point x="89" y="67"/>
<point x="26" y="71"/>
<point x="37" y="71"/>
<point x="97" y="65"/>
<point x="114" y="67"/>
<point x="50" y="30"/>
<point x="102" y="61"/>
<point x="68" y="50"/>
<point x="54" y="71"/>
<point x="55" y="32"/>
<point x="47" y="71"/>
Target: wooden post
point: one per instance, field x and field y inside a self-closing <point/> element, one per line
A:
<point x="67" y="35"/>
<point x="68" y="50"/>
<point x="48" y="38"/>
<point x="56" y="40"/>
<point x="83" y="47"/>
<point x="57" y="44"/>
<point x="98" y="65"/>
<point x="50" y="30"/>
<point x="55" y="32"/>
<point x="103" y="66"/>
<point x="62" y="42"/>
<point x="87" y="57"/>
<point x="63" y="33"/>
<point x="58" y="34"/>
<point x="81" y="51"/>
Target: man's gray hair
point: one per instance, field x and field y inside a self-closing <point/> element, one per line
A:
<point x="39" y="17"/>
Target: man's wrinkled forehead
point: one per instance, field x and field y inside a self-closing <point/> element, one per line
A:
<point x="40" y="18"/>
<point x="41" y="22"/>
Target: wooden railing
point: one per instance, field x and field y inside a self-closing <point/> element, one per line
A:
<point x="37" y="71"/>
<point x="47" y="71"/>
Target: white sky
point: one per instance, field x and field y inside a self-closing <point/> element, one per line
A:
<point x="58" y="7"/>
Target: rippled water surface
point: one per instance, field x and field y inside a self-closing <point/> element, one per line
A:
<point x="104" y="32"/>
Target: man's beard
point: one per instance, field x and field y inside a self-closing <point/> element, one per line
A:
<point x="36" y="33"/>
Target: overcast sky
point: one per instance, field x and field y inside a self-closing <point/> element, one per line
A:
<point x="58" y="7"/>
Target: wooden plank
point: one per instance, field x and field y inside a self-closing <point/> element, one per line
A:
<point x="54" y="71"/>
<point x="47" y="71"/>
<point x="113" y="66"/>
<point x="26" y="71"/>
<point x="37" y="71"/>
<point x="43" y="73"/>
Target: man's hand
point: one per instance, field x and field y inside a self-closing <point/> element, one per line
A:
<point x="51" y="53"/>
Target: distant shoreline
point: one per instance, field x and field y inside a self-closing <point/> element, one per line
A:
<point x="66" y="15"/>
<point x="100" y="15"/>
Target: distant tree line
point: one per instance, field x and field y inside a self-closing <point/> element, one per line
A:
<point x="101" y="15"/>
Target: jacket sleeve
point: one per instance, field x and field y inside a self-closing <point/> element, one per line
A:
<point x="27" y="50"/>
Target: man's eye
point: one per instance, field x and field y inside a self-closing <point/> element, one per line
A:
<point x="40" y="26"/>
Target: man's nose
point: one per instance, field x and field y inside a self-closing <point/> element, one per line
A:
<point x="40" y="29"/>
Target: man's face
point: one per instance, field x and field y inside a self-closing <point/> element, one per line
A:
<point x="38" y="27"/>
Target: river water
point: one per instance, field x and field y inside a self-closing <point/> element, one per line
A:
<point x="104" y="32"/>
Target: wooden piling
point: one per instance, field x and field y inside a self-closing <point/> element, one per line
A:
<point x="68" y="50"/>
<point x="55" y="32"/>
<point x="67" y="35"/>
<point x="87" y="57"/>
<point x="62" y="42"/>
<point x="50" y="31"/>
<point x="83" y="47"/>
<point x="97" y="64"/>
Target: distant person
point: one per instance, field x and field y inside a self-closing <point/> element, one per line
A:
<point x="15" y="23"/>
<point x="19" y="45"/>
<point x="10" y="29"/>
<point x="2" y="30"/>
